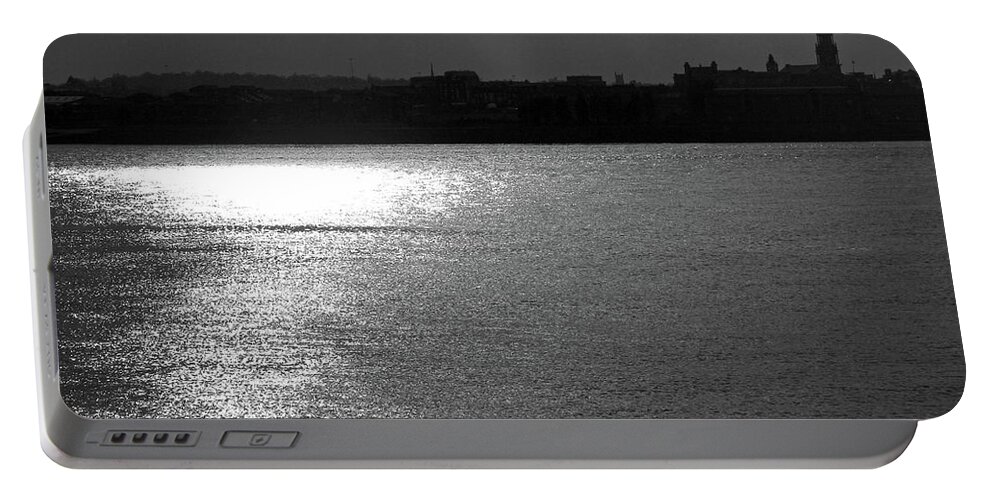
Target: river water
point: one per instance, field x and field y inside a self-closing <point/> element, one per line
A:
<point x="503" y="281"/>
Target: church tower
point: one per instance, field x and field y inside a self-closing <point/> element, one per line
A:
<point x="771" y="65"/>
<point x="827" y="54"/>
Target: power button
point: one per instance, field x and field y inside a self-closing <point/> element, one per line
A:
<point x="260" y="439"/>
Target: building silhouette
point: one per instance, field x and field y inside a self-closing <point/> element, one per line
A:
<point x="827" y="54"/>
<point x="826" y="72"/>
<point x="704" y="103"/>
<point x="586" y="80"/>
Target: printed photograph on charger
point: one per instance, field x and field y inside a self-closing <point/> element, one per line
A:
<point x="496" y="226"/>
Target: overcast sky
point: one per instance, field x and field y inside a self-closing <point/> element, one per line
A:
<point x="645" y="58"/>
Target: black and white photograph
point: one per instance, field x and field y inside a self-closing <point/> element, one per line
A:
<point x="487" y="226"/>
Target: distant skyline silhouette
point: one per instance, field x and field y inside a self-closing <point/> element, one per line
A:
<point x="645" y="58"/>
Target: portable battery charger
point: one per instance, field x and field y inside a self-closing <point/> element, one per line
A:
<point x="476" y="250"/>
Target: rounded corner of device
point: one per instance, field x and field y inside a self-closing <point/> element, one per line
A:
<point x="889" y="454"/>
<point x="58" y="455"/>
<point x="59" y="425"/>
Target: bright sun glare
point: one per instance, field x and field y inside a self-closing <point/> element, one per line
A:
<point x="288" y="194"/>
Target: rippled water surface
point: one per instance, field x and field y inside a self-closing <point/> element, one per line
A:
<point x="624" y="281"/>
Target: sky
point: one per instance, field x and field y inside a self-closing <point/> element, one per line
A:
<point x="644" y="58"/>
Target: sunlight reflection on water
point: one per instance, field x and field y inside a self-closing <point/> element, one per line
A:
<point x="688" y="281"/>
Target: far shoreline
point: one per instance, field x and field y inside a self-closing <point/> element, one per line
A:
<point x="482" y="135"/>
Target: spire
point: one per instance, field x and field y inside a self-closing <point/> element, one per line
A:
<point x="432" y="70"/>
<point x="771" y="65"/>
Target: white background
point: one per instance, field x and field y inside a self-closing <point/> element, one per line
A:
<point x="946" y="41"/>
